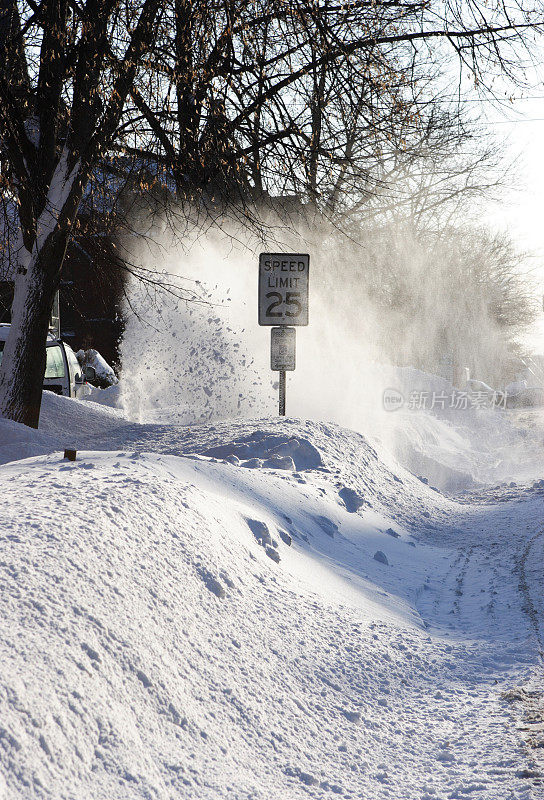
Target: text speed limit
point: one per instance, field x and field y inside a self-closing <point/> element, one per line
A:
<point x="283" y="288"/>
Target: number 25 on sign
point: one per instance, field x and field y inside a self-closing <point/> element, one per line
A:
<point x="283" y="288"/>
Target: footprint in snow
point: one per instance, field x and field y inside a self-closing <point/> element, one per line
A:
<point x="352" y="499"/>
<point x="91" y="652"/>
<point x="352" y="716"/>
<point x="327" y="526"/>
<point x="273" y="554"/>
<point x="260" y="531"/>
<point x="284" y="536"/>
<point x="142" y="677"/>
<point x="262" y="535"/>
<point x="212" y="583"/>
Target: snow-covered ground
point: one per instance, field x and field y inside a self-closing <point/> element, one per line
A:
<point x="267" y="609"/>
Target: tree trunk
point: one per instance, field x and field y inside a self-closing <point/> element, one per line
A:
<point x="23" y="363"/>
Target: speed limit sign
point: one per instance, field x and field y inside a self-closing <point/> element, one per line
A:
<point x="283" y="288"/>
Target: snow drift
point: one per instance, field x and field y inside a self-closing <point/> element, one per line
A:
<point x="211" y="625"/>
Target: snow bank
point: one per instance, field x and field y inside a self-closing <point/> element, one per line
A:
<point x="64" y="422"/>
<point x="192" y="627"/>
<point x="17" y="441"/>
<point x="71" y="420"/>
<point x="455" y="449"/>
<point x="154" y="648"/>
<point x="202" y="362"/>
<point x="105" y="397"/>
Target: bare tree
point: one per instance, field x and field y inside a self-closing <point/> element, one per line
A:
<point x="304" y="98"/>
<point x="70" y="70"/>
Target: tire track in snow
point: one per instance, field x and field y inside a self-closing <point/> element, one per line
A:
<point x="528" y="701"/>
<point x="499" y="585"/>
<point x="528" y="603"/>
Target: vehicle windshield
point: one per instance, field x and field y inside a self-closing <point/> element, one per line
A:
<point x="55" y="362"/>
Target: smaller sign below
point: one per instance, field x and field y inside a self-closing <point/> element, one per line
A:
<point x="282" y="349"/>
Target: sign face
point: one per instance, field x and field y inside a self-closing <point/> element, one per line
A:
<point x="283" y="288"/>
<point x="282" y="348"/>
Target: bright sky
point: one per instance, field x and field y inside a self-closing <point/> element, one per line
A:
<point x="523" y="136"/>
<point x="521" y="210"/>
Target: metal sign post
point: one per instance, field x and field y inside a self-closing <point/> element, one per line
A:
<point x="282" y="393"/>
<point x="283" y="302"/>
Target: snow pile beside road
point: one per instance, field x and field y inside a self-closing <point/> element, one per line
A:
<point x="71" y="420"/>
<point x="185" y="627"/>
<point x="18" y="441"/>
<point x="332" y="453"/>
<point x="453" y="449"/>
<point x="470" y="449"/>
<point x="106" y="397"/>
<point x="64" y="422"/>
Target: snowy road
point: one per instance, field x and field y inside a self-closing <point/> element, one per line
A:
<point x="183" y="621"/>
<point x="491" y="598"/>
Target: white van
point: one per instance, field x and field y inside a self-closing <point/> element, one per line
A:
<point x="63" y="373"/>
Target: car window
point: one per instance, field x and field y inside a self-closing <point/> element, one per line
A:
<point x="55" y="363"/>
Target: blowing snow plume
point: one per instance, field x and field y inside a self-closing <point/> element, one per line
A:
<point x="208" y="359"/>
<point x="192" y="361"/>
